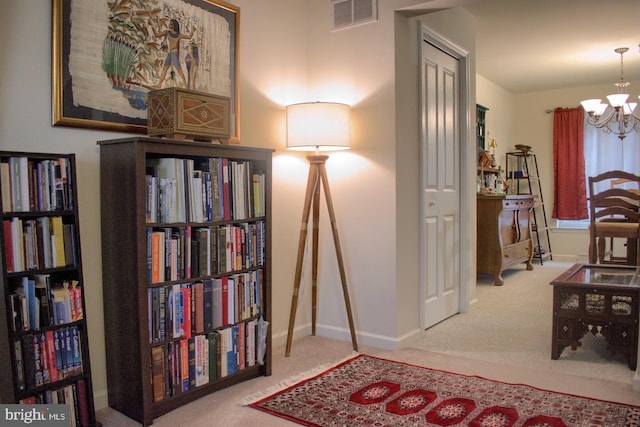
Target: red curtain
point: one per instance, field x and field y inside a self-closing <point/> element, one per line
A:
<point x="569" y="187"/>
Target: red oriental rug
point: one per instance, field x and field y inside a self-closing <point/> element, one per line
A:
<point x="369" y="391"/>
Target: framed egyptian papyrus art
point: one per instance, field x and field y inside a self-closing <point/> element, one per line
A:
<point x="108" y="54"/>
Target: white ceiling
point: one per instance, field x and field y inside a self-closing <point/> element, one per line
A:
<point x="536" y="45"/>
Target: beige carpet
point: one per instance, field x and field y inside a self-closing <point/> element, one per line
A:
<point x="511" y="325"/>
<point x="499" y="338"/>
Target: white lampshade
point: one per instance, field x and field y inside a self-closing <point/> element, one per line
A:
<point x="617" y="99"/>
<point x="594" y="106"/>
<point x="600" y="109"/>
<point x="318" y="126"/>
<point x="590" y="105"/>
<point x="629" y="107"/>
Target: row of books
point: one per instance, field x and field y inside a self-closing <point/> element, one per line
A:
<point x="213" y="189"/>
<point x="35" y="302"/>
<point x="183" y="310"/>
<point x="72" y="395"/>
<point x="188" y="252"/>
<point x="29" y="185"/>
<point x="40" y="243"/>
<point x="48" y="357"/>
<point x="181" y="366"/>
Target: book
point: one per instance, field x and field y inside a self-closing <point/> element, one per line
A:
<point x="32" y="360"/>
<point x="76" y="350"/>
<point x="225" y="300"/>
<point x="176" y="309"/>
<point x="198" y="298"/>
<point x="17" y="239"/>
<point x="68" y="231"/>
<point x="162" y="309"/>
<point x="33" y="304"/>
<point x="174" y="368"/>
<point x="157" y="373"/>
<point x="217" y="303"/>
<point x="43" y="294"/>
<point x="8" y="244"/>
<point x="20" y="380"/>
<point x="60" y="360"/>
<point x="69" y="399"/>
<point x="67" y="349"/>
<point x="227" y="213"/>
<point x="61" y="304"/>
<point x="186" y="321"/>
<point x="76" y="296"/>
<point x="184" y="364"/>
<point x="57" y="241"/>
<point x="44" y="230"/>
<point x="232" y="350"/>
<point x="5" y="186"/>
<point x="212" y="340"/>
<point x="82" y="403"/>
<point x="241" y="345"/>
<point x="44" y="359"/>
<point x="207" y="304"/>
<point x="19" y="179"/>
<point x="215" y="167"/>
<point x="17" y="307"/>
<point x="250" y="342"/>
<point x="51" y="356"/>
<point x="157" y="256"/>
<point x="192" y="362"/>
<point x="201" y="360"/>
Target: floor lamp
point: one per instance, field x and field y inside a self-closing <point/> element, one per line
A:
<point x="317" y="126"/>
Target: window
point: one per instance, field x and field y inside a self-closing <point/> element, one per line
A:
<point x="603" y="152"/>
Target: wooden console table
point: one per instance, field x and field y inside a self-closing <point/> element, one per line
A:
<point x="504" y="233"/>
<point x="600" y="299"/>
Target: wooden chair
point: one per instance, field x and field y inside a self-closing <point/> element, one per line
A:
<point x="614" y="214"/>
<point x="616" y="183"/>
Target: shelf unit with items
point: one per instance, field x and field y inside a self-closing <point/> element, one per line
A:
<point x="481" y="126"/>
<point x="523" y="177"/>
<point x="186" y="244"/>
<point x="44" y="347"/>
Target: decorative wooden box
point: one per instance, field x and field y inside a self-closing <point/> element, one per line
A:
<point x="181" y="113"/>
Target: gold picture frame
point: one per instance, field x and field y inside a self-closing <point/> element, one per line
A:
<point x="107" y="55"/>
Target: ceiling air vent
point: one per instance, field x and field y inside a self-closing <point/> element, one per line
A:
<point x="347" y="13"/>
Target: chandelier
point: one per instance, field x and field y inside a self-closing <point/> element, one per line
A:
<point x="617" y="118"/>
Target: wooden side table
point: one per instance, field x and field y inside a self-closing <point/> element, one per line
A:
<point x="504" y="233"/>
<point x="597" y="299"/>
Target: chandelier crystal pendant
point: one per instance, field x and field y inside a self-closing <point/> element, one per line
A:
<point x="619" y="117"/>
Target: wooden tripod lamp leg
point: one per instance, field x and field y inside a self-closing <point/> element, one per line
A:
<point x="312" y="183"/>
<point x="317" y="178"/>
<point x="336" y="240"/>
<point x="314" y="253"/>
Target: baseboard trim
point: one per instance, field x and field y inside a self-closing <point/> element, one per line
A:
<point x="341" y="334"/>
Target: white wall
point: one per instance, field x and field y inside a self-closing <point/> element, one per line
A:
<point x="501" y="120"/>
<point x="272" y="57"/>
<point x="535" y="128"/>
<point x="287" y="54"/>
<point x="458" y="28"/>
<point x="523" y="119"/>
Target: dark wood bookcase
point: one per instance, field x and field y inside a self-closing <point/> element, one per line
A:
<point x="44" y="346"/>
<point x="144" y="363"/>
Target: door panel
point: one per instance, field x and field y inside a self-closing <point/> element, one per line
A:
<point x="440" y="152"/>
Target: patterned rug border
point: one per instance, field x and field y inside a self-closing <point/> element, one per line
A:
<point x="294" y="381"/>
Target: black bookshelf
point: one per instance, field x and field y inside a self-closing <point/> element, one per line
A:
<point x="139" y="315"/>
<point x="44" y="346"/>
